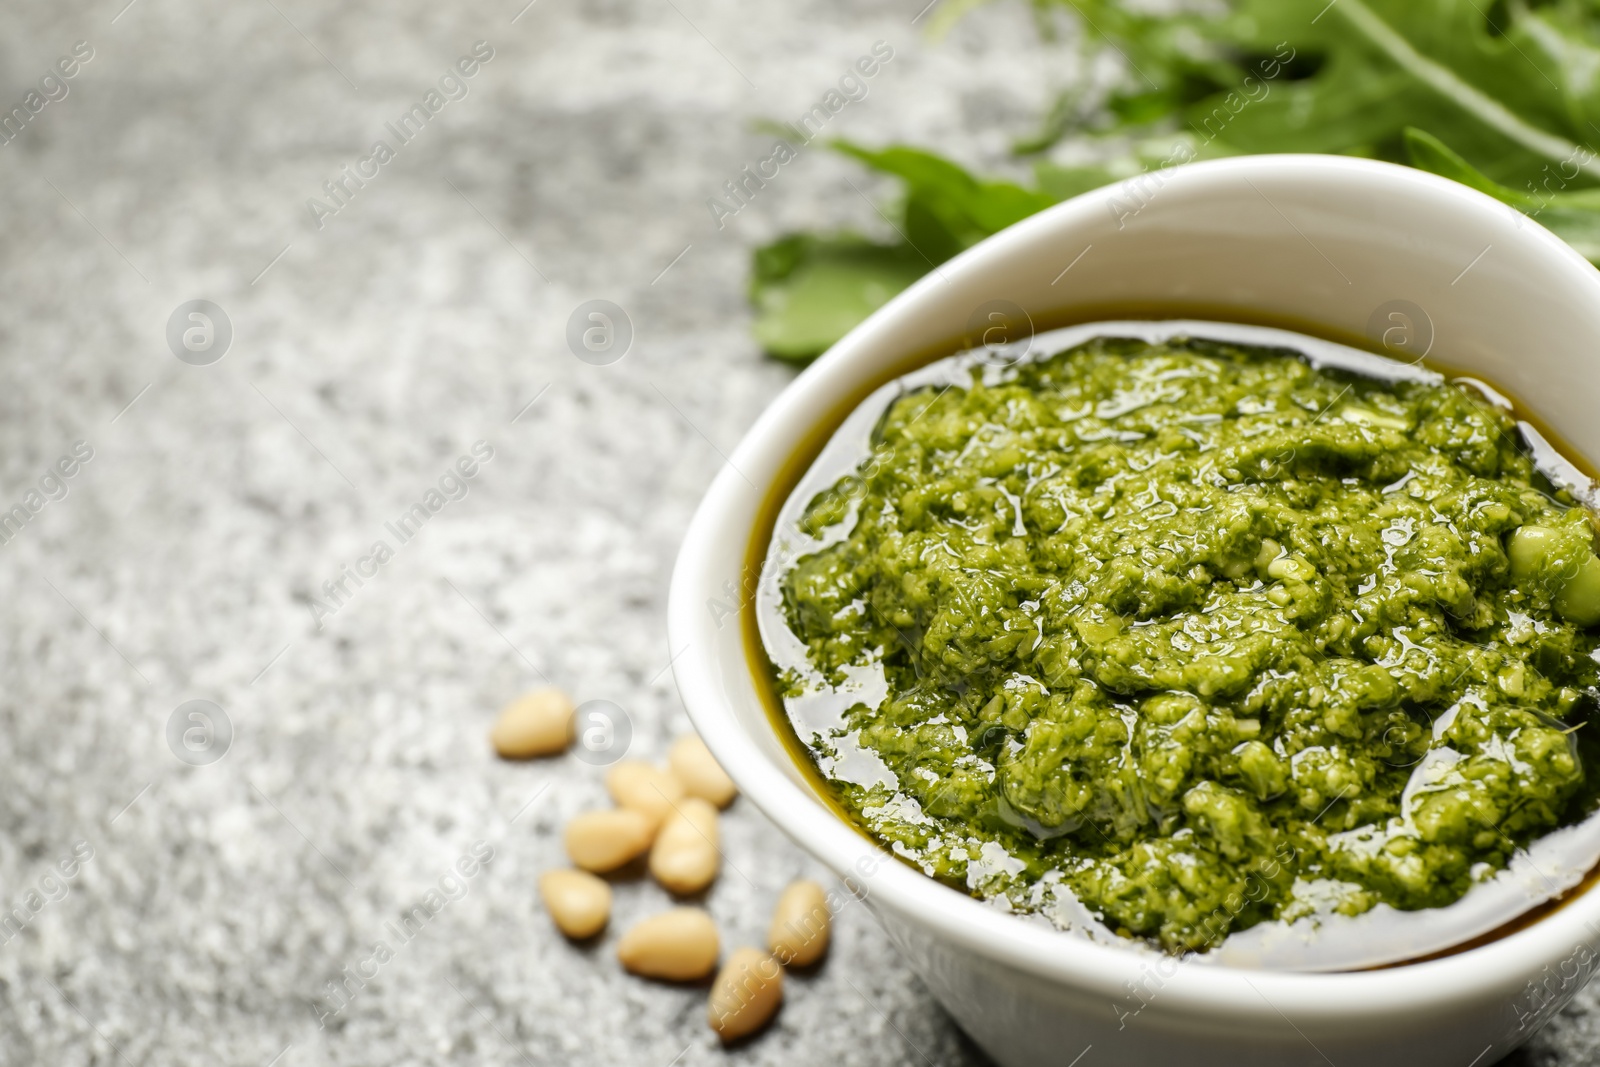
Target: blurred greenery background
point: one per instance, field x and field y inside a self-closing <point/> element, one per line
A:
<point x="1501" y="95"/>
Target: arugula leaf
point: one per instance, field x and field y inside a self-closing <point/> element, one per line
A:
<point x="1510" y="83"/>
<point x="808" y="290"/>
<point x="1572" y="216"/>
<point x="965" y="208"/>
<point x="1429" y="153"/>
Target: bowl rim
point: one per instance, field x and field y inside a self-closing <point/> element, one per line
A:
<point x="1495" y="970"/>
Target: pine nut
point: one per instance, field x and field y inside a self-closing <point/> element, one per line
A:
<point x="684" y="858"/>
<point x="746" y="994"/>
<point x="535" y="724"/>
<point x="648" y="790"/>
<point x="678" y="945"/>
<point x="702" y="776"/>
<point x="605" y="840"/>
<point x="800" y="925"/>
<point x="578" y="902"/>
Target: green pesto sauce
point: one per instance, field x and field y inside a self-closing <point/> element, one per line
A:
<point x="1175" y="626"/>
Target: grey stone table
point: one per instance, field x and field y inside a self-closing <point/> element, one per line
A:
<point x="163" y="912"/>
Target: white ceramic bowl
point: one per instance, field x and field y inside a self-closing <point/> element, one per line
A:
<point x="1316" y="243"/>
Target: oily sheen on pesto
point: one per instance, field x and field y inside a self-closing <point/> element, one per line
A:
<point x="1181" y="636"/>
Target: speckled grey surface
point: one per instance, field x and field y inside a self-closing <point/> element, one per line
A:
<point x="425" y="315"/>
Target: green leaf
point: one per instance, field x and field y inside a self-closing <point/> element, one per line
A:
<point x="1514" y="85"/>
<point x="1572" y="216"/>
<point x="947" y="209"/>
<point x="1429" y="153"/>
<point x="1579" y="227"/>
<point x="810" y="291"/>
<point x="1064" y="183"/>
<point x="1508" y="91"/>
